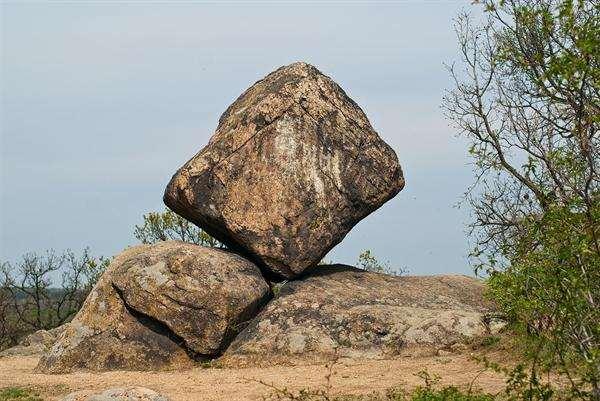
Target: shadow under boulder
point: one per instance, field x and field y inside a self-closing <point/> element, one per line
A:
<point x="160" y="306"/>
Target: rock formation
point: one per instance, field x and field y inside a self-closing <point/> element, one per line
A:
<point x="363" y="314"/>
<point x="36" y="343"/>
<point x="293" y="165"/>
<point x="160" y="306"/>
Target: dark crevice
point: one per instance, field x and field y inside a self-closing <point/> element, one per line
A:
<point x="162" y="329"/>
<point x="246" y="317"/>
<point x="231" y="333"/>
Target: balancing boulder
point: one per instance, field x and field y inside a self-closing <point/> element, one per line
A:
<point x="293" y="165"/>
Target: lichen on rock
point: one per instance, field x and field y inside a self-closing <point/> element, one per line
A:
<point x="293" y="165"/>
<point x="350" y="312"/>
<point x="160" y="306"/>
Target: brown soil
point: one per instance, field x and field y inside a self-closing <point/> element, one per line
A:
<point x="227" y="384"/>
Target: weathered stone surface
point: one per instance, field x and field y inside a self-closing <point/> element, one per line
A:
<point x="201" y="294"/>
<point x="36" y="343"/>
<point x="363" y="314"/>
<point x="293" y="165"/>
<point x="104" y="335"/>
<point x="117" y="394"/>
<point x="158" y="307"/>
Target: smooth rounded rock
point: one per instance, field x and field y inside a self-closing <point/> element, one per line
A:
<point x="201" y="294"/>
<point x="36" y="343"/>
<point x="160" y="306"/>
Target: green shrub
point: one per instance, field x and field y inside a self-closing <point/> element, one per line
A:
<point x="167" y="225"/>
<point x="449" y="393"/>
<point x="489" y="341"/>
<point x="526" y="95"/>
<point x="367" y="261"/>
<point x="550" y="293"/>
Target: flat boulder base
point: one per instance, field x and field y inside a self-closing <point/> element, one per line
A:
<point x="352" y="313"/>
<point x="117" y="394"/>
<point x="159" y="306"/>
<point x="293" y="165"/>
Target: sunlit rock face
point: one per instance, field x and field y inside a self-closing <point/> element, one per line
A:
<point x="293" y="165"/>
<point x="160" y="306"/>
<point x="340" y="310"/>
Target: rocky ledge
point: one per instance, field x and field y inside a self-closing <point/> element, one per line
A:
<point x="350" y="312"/>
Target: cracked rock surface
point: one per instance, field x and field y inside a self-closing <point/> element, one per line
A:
<point x="160" y="306"/>
<point x="354" y="313"/>
<point x="293" y="165"/>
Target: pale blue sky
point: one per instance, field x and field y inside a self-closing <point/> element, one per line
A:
<point x="102" y="101"/>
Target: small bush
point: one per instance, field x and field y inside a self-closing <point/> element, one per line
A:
<point x="489" y="341"/>
<point x="449" y="393"/>
<point x="367" y="261"/>
<point x="166" y="225"/>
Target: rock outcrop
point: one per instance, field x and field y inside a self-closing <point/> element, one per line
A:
<point x="117" y="394"/>
<point x="293" y="165"/>
<point x="36" y="343"/>
<point x="356" y="313"/>
<point x="160" y="306"/>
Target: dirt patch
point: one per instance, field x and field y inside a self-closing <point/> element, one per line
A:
<point x="214" y="384"/>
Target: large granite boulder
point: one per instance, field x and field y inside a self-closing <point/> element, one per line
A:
<point x="160" y="306"/>
<point x="293" y="165"/>
<point x="354" y="313"/>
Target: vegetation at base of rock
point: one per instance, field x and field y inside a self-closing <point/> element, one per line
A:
<point x="30" y="298"/>
<point x="529" y="102"/>
<point x="489" y="341"/>
<point x="550" y="296"/>
<point x="166" y="225"/>
<point x="430" y="390"/>
<point x="18" y="394"/>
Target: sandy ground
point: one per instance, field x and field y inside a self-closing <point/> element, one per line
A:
<point x="226" y="384"/>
